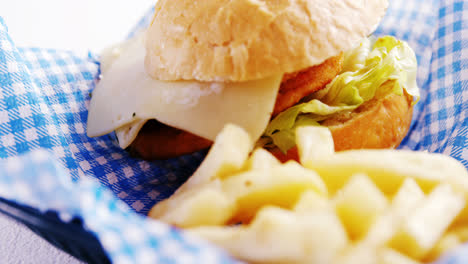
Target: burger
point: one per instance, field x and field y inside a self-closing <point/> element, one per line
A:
<point x="267" y="66"/>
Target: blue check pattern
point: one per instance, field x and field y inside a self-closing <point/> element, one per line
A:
<point x="44" y="97"/>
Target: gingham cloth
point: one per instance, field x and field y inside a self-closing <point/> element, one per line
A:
<point x="44" y="96"/>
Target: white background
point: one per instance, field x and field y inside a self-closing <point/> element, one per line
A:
<point x="73" y="25"/>
<point x="77" y="25"/>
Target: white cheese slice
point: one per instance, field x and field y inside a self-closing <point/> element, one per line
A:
<point x="126" y="134"/>
<point x="126" y="97"/>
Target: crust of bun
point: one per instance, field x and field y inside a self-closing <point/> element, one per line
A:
<point x="158" y="141"/>
<point x="382" y="122"/>
<point x="239" y="40"/>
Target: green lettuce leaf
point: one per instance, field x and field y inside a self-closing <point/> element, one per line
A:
<point x="365" y="70"/>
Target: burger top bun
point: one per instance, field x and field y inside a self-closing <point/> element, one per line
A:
<point x="239" y="40"/>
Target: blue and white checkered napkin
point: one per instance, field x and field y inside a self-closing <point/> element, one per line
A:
<point x="44" y="96"/>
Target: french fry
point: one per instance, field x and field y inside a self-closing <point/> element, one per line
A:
<point x="451" y="239"/>
<point x="280" y="186"/>
<point x="427" y="223"/>
<point x="310" y="201"/>
<point x="357" y="254"/>
<point x="359" y="204"/>
<point x="261" y="159"/>
<point x="314" y="143"/>
<point x="200" y="206"/>
<point x="390" y="256"/>
<point x="282" y="236"/>
<point x="448" y="242"/>
<point x="227" y="156"/>
<point x="384" y="228"/>
<point x="388" y="169"/>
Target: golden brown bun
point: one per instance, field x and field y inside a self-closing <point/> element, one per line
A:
<point x="237" y="40"/>
<point x="382" y="122"/>
<point x="158" y="141"/>
<point x="292" y="154"/>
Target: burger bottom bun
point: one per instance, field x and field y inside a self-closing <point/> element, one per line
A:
<point x="382" y="122"/>
<point x="159" y="141"/>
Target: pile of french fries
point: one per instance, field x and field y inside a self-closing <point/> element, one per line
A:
<point x="359" y="206"/>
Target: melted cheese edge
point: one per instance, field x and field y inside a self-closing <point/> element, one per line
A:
<point x="126" y="97"/>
